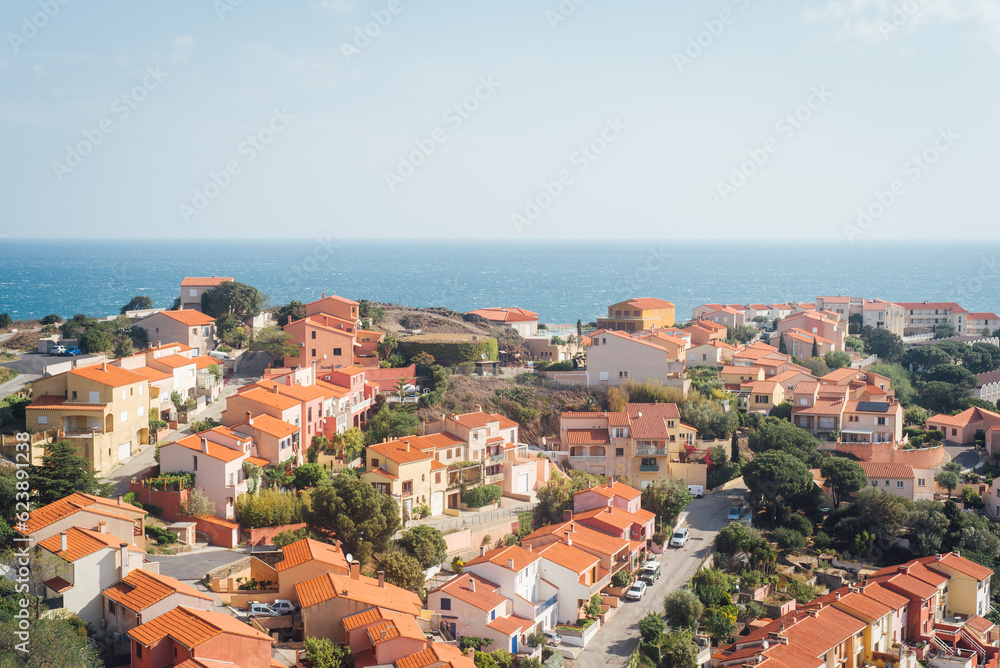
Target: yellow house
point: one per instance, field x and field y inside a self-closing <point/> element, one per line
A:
<point x="103" y="410"/>
<point x="763" y="395"/>
<point x="635" y="315"/>
<point x="734" y="376"/>
<point x="405" y="472"/>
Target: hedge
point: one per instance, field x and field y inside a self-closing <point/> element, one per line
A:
<point x="452" y="352"/>
<point x="480" y="496"/>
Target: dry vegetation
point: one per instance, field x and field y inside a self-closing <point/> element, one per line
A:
<point x="437" y="320"/>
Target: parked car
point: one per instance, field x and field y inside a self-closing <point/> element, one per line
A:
<point x="650" y="571"/>
<point x="735" y="513"/>
<point x="551" y="637"/>
<point x="679" y="538"/>
<point x="697" y="491"/>
<point x="219" y="355"/>
<point x="636" y="591"/>
<point x="72" y="351"/>
<point x="57" y="350"/>
<point x="283" y="606"/>
<point x="261" y="610"/>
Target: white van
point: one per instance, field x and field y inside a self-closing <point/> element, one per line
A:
<point x="219" y="355"/>
<point x="697" y="491"/>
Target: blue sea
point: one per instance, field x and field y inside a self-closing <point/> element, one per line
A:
<point x="561" y="280"/>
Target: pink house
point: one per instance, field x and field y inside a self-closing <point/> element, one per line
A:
<point x="340" y="307"/>
<point x="360" y="395"/>
<point x="816" y="324"/>
<point x="962" y="428"/>
<point x="310" y="403"/>
<point x="618" y="493"/>
<point x="729" y="317"/>
<point x="259" y="401"/>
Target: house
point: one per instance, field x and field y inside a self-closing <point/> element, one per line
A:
<point x="733" y="377"/>
<point x="880" y="314"/>
<point x="338" y="307"/>
<point x="359" y="394"/>
<point x="310" y="400"/>
<point x="324" y="339"/>
<point x="484" y="436"/>
<point x="829" y="333"/>
<point x="543" y="349"/>
<point x="328" y="598"/>
<point x="189" y="327"/>
<point x="306" y="559"/>
<point x="983" y="323"/>
<point x="379" y="636"/>
<point x="216" y="458"/>
<point x="801" y="344"/>
<point x="140" y="597"/>
<point x="522" y="321"/>
<point x="576" y="574"/>
<point x="614" y="493"/>
<point x="409" y="474"/>
<point x="258" y="401"/>
<point x="193" y="287"/>
<point x="713" y="353"/>
<point x="614" y="552"/>
<point x="617" y="358"/>
<point x="274" y="440"/>
<point x="964" y="427"/>
<point x="635" y="315"/>
<point x="762" y="395"/>
<point x="647" y="442"/>
<point x="900" y="479"/>
<point x="706" y="331"/>
<point x="187" y="637"/>
<point x="925" y="315"/>
<point x="103" y="409"/>
<point x="79" y="564"/>
<point x="726" y="316"/>
<point x="637" y="525"/>
<point x="988" y="387"/>
<point x="86" y="511"/>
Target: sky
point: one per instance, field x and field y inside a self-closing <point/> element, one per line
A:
<point x="856" y="120"/>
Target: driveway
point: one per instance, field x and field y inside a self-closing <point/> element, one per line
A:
<point x="194" y="565"/>
<point x="619" y="637"/>
<point x="965" y="455"/>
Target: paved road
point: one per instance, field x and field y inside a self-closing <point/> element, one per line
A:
<point x="618" y="639"/>
<point x="194" y="566"/>
<point x="250" y="371"/>
<point x="963" y="454"/>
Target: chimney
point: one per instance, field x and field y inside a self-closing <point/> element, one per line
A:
<point x="121" y="499"/>
<point x="510" y="564"/>
<point x="104" y="366"/>
<point x="124" y="553"/>
<point x="609" y="507"/>
<point x="249" y="418"/>
<point x="407" y="444"/>
<point x="567" y="515"/>
<point x="471" y="653"/>
<point x="274" y="388"/>
<point x="204" y="445"/>
<point x="482" y="550"/>
<point x="324" y="295"/>
<point x="355" y="570"/>
<point x="479" y="408"/>
<point x="336" y="543"/>
<point x="102" y="527"/>
<point x="159" y="344"/>
<point x="381" y="579"/>
<point x="937" y="557"/>
<point x="63" y="542"/>
<point x="528" y="548"/>
<point x="957" y="553"/>
<point x="472" y="585"/>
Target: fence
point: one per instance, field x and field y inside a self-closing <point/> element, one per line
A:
<point x="470" y="519"/>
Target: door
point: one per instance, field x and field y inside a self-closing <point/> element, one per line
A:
<point x="124" y="450"/>
<point x="437" y="503"/>
<point x="522" y="483"/>
<point x="513" y="644"/>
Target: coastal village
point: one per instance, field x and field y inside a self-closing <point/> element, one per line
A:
<point x="334" y="482"/>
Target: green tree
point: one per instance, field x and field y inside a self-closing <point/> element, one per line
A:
<point x="651" y="628"/>
<point x="837" y="359"/>
<point x="241" y="300"/>
<point x="774" y="475"/>
<point x="782" y="348"/>
<point x="138" y="303"/>
<point x="63" y="472"/>
<point x="816" y="366"/>
<point x="5" y="321"/>
<point x="682" y="608"/>
<point x="229" y="330"/>
<point x="735" y="537"/>
<point x="884" y="514"/>
<point x="392" y="423"/>
<point x="855" y="322"/>
<point x="815" y="350"/>
<point x="290" y="312"/>
<point x="887" y="345"/>
<point x="667" y="499"/>
<point x="844" y="476"/>
<point x="944" y="330"/>
<point x="197" y="504"/>
<point x="915" y="415"/>
<point x="426" y="544"/>
<point x="289" y="536"/>
<point x="899" y="377"/>
<point x="855" y="344"/>
<point x="955" y="375"/>
<point x="921" y="359"/>
<point x="323" y="653"/>
<point x="273" y="341"/>
<point x="96" y="340"/>
<point x="308" y="476"/>
<point x="720" y="625"/>
<point x="679" y="651"/>
<point x="782" y="411"/>
<point x="349" y="508"/>
<point x="775" y="434"/>
<point x="403" y="571"/>
<point x="53" y="642"/>
<point x="948" y="480"/>
<point x="353" y="443"/>
<point x="734" y="449"/>
<point x="52" y="319"/>
<point x="942" y="397"/>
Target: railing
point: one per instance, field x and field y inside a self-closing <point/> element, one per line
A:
<point x="54" y="603"/>
<point x="84" y="433"/>
<point x="649" y="467"/>
<point x="648" y="452"/>
<point x="546" y="605"/>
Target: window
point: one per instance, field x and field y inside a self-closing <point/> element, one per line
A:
<point x="336" y="351"/>
<point x="886" y="483"/>
<point x="620" y="452"/>
<point x="899" y="484"/>
<point x="140" y="390"/>
<point x="493" y="615"/>
<point x="124" y="416"/>
<point x="124" y="394"/>
<point x="44" y="419"/>
<point x="138" y="412"/>
<point x="407" y="487"/>
<point x="922" y="483"/>
<point x="94" y="397"/>
<point x="195" y="465"/>
<point x="375" y="462"/>
<point x="313" y="334"/>
<point x="313" y="352"/>
<point x="437" y="478"/>
<point x="193" y="292"/>
<point x="138" y="651"/>
<point x="874" y="483"/>
<point x="111" y="607"/>
<point x="881" y="421"/>
<point x="445" y="604"/>
<point x="230" y="478"/>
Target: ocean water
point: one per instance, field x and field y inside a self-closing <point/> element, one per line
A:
<point x="561" y="280"/>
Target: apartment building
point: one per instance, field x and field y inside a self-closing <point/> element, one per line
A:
<point x="925" y="315"/>
<point x="193" y="287"/>
<point x="635" y="315"/>
<point x="103" y="409"/>
<point x="617" y="358"/>
<point x="829" y="332"/>
<point x="189" y="327"/>
<point x="984" y="323"/>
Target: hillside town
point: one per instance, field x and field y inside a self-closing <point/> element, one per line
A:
<point x="336" y="483"/>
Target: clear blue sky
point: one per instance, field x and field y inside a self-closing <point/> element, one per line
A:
<point x="667" y="128"/>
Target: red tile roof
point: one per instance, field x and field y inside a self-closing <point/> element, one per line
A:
<point x="111" y="376"/>
<point x="571" y="557"/>
<point x="214" y="450"/>
<point x="81" y="543"/>
<point x="485" y="597"/>
<point x="52" y="401"/>
<point x="270" y="425"/>
<point x="307" y="549"/>
<point x="272" y="399"/>
<point x="189" y="317"/>
<point x="887" y="470"/>
<point x="510" y="625"/>
<point x="506" y="314"/>
<point x="42" y="517"/>
<point x="141" y="589"/>
<point x="502" y="556"/>
<point x="191" y="627"/>
<point x="204" y="281"/>
<point x="587" y="436"/>
<point x="611" y="489"/>
<point x="363" y="590"/>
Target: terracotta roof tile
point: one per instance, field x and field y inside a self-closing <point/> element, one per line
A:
<point x="307" y="549"/>
<point x="81" y="543"/>
<point x="573" y="558"/>
<point x="111" y="376"/>
<point x="365" y="591"/>
<point x="141" y="589"/>
<point x="272" y="399"/>
<point x="510" y="625"/>
<point x="612" y="489"/>
<point x="878" y="470"/>
<point x="191" y="627"/>
<point x="189" y="317"/>
<point x="501" y="556"/>
<point x="42" y="517"/>
<point x="485" y="597"/>
<point x="270" y="425"/>
<point x="215" y="450"/>
<point x="204" y="281"/>
<point x="587" y="436"/>
<point x="50" y="401"/>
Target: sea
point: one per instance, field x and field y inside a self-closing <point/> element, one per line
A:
<point x="560" y="280"/>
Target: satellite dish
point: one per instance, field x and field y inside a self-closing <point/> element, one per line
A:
<point x="350" y="557"/>
<point x="483" y="355"/>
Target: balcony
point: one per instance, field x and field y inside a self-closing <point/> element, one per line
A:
<point x="586" y="458"/>
<point x="651" y="452"/>
<point x="649" y="468"/>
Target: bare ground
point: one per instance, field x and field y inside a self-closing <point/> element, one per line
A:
<point x="437" y="320"/>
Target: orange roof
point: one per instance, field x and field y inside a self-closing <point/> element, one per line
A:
<point x="141" y="589"/>
<point x="397" y="625"/>
<point x="510" y="625"/>
<point x="151" y="374"/>
<point x="485" y="597"/>
<point x="188" y="316"/>
<point x="191" y="627"/>
<point x="111" y="376"/>
<point x="979" y="624"/>
<point x="214" y="450"/>
<point x="270" y="425"/>
<point x="887" y="470"/>
<point x="307" y="549"/>
<point x="908" y="584"/>
<point x="58" y="584"/>
<point x="573" y="558"/>
<point x="204" y="281"/>
<point x="646" y="303"/>
<point x="865" y="605"/>
<point x="442" y="440"/>
<point x="174" y="361"/>
<point x="52" y="401"/>
<point x="821" y="407"/>
<point x="204" y="361"/>
<point x="887" y="596"/>
<point x="506" y="314"/>
<point x="476" y="420"/>
<point x="959" y="563"/>
<point x="616" y="517"/>
<point x="403" y="451"/>
<point x="300" y="392"/>
<point x="81" y="543"/>
<point x="583" y="536"/>
<point x="257" y="461"/>
<point x="435" y="655"/>
<point x="587" y="436"/>
<point x="945" y="306"/>
<point x="365" y="617"/>
<point x="838" y="375"/>
<point x="612" y="489"/>
<point x="514" y="558"/>
<point x="272" y="399"/>
<point x="363" y="590"/>
<point x="42" y="517"/>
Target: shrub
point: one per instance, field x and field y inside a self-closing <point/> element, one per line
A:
<point x="800" y="591"/>
<point x="457" y="564"/>
<point x="799" y="523"/>
<point x="482" y="495"/>
<point x="269" y="508"/>
<point x="821" y="541"/>
<point x="659" y="538"/>
<point x="161" y="536"/>
<point x="789" y="539"/>
<point x="622" y="578"/>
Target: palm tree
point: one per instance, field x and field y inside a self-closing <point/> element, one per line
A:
<point x="275" y="477"/>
